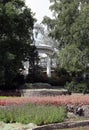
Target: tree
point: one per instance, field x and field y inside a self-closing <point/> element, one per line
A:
<point x="16" y="25"/>
<point x="33" y="60"/>
<point x="80" y="28"/>
<point x="72" y="58"/>
<point x="70" y="27"/>
<point x="65" y="13"/>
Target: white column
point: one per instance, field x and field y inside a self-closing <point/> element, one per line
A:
<point x="48" y="66"/>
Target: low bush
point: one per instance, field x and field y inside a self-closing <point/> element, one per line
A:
<point x="38" y="114"/>
<point x="58" y="81"/>
<point x="74" y="86"/>
<point x="58" y="78"/>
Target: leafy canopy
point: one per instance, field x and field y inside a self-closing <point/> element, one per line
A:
<point x="70" y="27"/>
<point x="16" y="25"/>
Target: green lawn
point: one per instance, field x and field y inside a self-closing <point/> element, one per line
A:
<point x="4" y="97"/>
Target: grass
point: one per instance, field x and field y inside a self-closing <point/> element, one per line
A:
<point x="38" y="114"/>
<point x="6" y="97"/>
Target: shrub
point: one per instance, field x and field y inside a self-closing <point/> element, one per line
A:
<point x="74" y="86"/>
<point x="58" y="81"/>
<point x="62" y="71"/>
<point x="38" y="114"/>
<point x="82" y="87"/>
<point x="70" y="86"/>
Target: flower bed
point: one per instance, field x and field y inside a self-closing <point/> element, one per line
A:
<point x="63" y="100"/>
<point x="55" y="100"/>
<point x="30" y="113"/>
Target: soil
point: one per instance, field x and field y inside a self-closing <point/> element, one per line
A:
<point x="77" y="128"/>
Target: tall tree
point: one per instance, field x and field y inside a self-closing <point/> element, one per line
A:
<point x="70" y="26"/>
<point x="16" y="25"/>
<point x="65" y="13"/>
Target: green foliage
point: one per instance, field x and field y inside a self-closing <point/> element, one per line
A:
<point x="64" y="13"/>
<point x="70" y="28"/>
<point x="80" y="28"/>
<point x="70" y="86"/>
<point x="60" y="78"/>
<point x="16" y="25"/>
<point x="76" y="87"/>
<point x="33" y="113"/>
<point x="34" y="69"/>
<point x="58" y="81"/>
<point x="62" y="71"/>
<point x="72" y="58"/>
